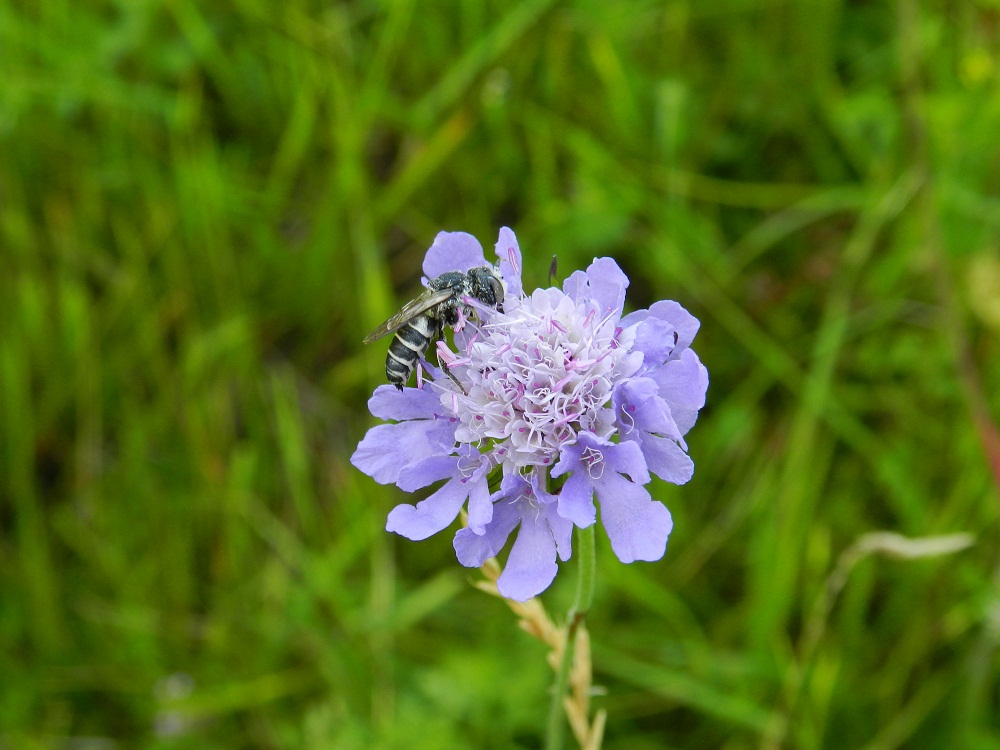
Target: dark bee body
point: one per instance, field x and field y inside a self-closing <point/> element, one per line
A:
<point x="408" y="345"/>
<point x="422" y="320"/>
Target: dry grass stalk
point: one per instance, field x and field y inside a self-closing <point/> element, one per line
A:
<point x="535" y="621"/>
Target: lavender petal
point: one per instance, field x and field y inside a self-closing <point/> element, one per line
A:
<point x="637" y="526"/>
<point x="607" y="286"/>
<point x="427" y="471"/>
<point x="575" y="286"/>
<point x="656" y="339"/>
<point x="624" y="458"/>
<point x="638" y="409"/>
<point x="453" y="251"/>
<point x="429" y="516"/>
<point x="562" y="532"/>
<point x="388" y="402"/>
<point x="576" y="500"/>
<point x="506" y="248"/>
<point x="685" y="324"/>
<point x="474" y="549"/>
<point x="683" y="383"/>
<point x="666" y="459"/>
<point x="480" y="505"/>
<point x="561" y="528"/>
<point x="387" y="449"/>
<point x="531" y="566"/>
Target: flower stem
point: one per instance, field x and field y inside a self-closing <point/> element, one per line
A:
<point x="587" y="555"/>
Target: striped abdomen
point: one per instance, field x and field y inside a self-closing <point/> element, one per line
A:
<point x="407" y="346"/>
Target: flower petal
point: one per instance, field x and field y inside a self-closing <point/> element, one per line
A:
<point x="387" y="449"/>
<point x="624" y="458"/>
<point x="531" y="566"/>
<point x="562" y="532"/>
<point x="655" y="338"/>
<point x="683" y="383"/>
<point x="607" y="286"/>
<point x="637" y="526"/>
<point x="480" y="505"/>
<point x="507" y="250"/>
<point x="638" y="409"/>
<point x="569" y="459"/>
<point x="431" y="515"/>
<point x="575" y="286"/>
<point x="666" y="459"/>
<point x="427" y="471"/>
<point x="685" y="324"/>
<point x="561" y="528"/>
<point x="388" y="402"/>
<point x="576" y="500"/>
<point x="474" y="549"/>
<point x="603" y="282"/>
<point x="453" y="251"/>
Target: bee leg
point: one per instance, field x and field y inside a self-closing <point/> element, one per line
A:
<point x="455" y="380"/>
<point x="444" y="365"/>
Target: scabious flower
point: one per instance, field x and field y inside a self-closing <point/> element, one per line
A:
<point x="561" y="398"/>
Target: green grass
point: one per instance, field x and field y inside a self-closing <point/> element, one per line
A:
<point x="204" y="206"/>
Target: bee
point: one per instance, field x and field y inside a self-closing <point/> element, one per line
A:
<point x="421" y="321"/>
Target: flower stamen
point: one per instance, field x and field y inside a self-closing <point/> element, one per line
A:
<point x="593" y="458"/>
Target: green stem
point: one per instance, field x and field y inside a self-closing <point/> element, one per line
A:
<point x="587" y="555"/>
<point x="586" y="552"/>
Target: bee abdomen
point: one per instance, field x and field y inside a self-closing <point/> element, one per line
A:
<point x="407" y="346"/>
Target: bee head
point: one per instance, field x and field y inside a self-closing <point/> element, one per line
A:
<point x="486" y="285"/>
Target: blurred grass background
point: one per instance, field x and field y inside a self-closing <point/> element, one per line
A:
<point x="204" y="206"/>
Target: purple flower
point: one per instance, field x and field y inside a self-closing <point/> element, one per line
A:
<point x="560" y="396"/>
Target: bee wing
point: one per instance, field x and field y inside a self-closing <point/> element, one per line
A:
<point x="409" y="311"/>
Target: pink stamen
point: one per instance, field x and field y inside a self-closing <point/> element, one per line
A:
<point x="512" y="257"/>
<point x="444" y="353"/>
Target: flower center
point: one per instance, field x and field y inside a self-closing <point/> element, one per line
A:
<point x="536" y="377"/>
